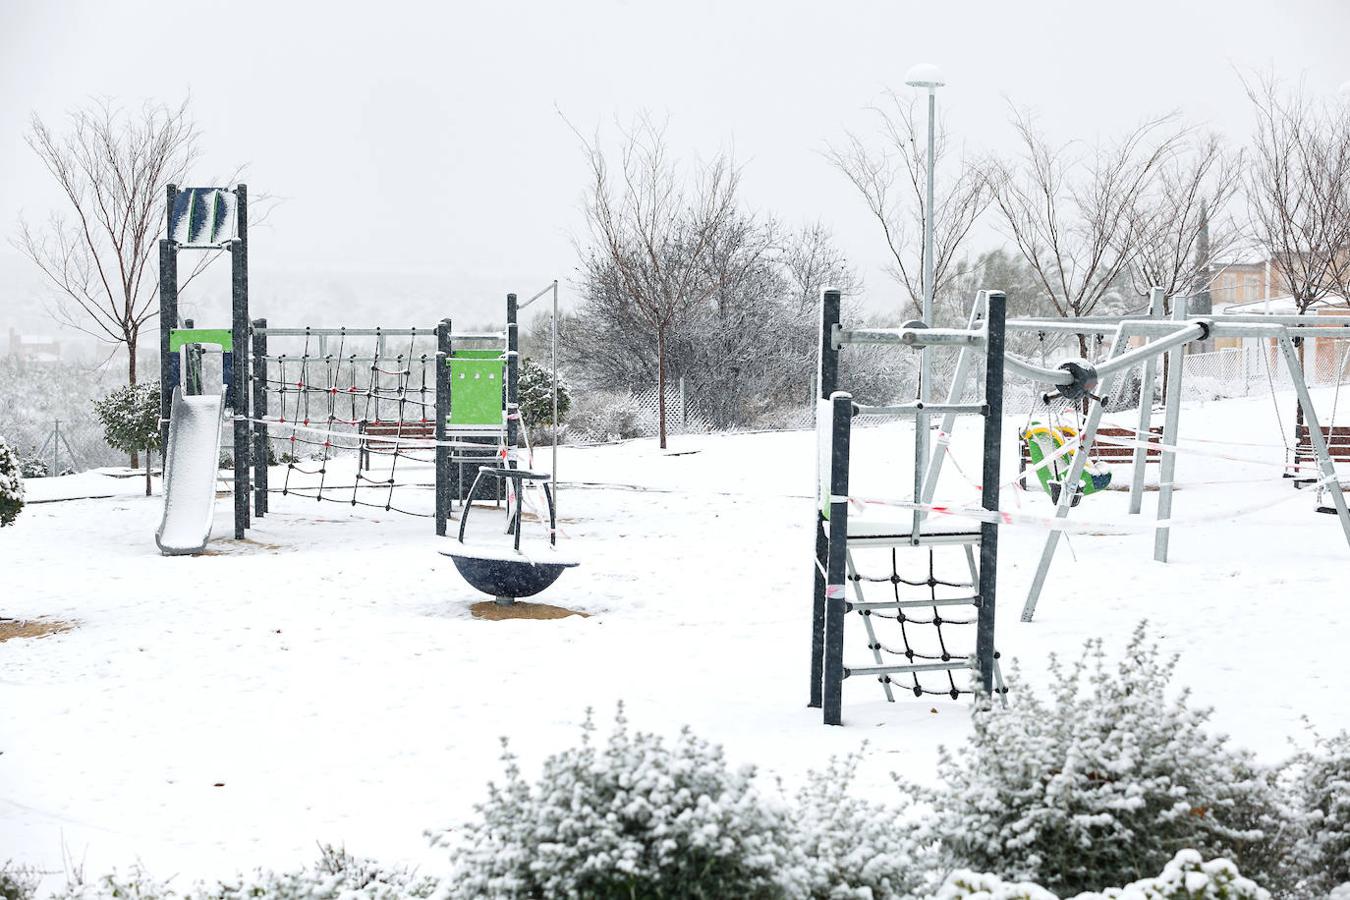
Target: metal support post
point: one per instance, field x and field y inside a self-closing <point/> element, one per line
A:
<point x="261" y="445"/>
<point x="1319" y="443"/>
<point x="1171" y="423"/>
<point x="990" y="478"/>
<point x="1155" y="310"/>
<point x="841" y="409"/>
<point x="239" y="304"/>
<point x="442" y="416"/>
<point x="827" y="379"/>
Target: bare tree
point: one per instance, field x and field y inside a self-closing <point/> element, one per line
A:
<point x="656" y="232"/>
<point x="1297" y="190"/>
<point x="1070" y="209"/>
<point x="1181" y="224"/>
<point x="892" y="179"/>
<point x="112" y="167"/>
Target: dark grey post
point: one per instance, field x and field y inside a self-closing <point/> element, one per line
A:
<point x="513" y="420"/>
<point x="442" y="415"/>
<point x="840" y="424"/>
<point x="993" y="433"/>
<point x="239" y="296"/>
<point x="261" y="448"/>
<point x="168" y="318"/>
<point x="827" y="381"/>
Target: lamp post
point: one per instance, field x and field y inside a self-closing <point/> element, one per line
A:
<point x="925" y="75"/>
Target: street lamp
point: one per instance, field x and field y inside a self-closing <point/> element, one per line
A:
<point x="925" y="75"/>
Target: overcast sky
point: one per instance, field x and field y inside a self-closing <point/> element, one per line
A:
<point x="420" y="154"/>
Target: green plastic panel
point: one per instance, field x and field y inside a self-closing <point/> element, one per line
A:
<point x="221" y="337"/>
<point x="476" y="386"/>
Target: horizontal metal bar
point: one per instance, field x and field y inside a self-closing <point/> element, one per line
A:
<point x="909" y="337"/>
<point x="850" y="671"/>
<point x="428" y="358"/>
<point x="913" y="604"/>
<point x="338" y="332"/>
<point x="1109" y="324"/>
<point x="904" y="540"/>
<point x="917" y="406"/>
<point x="1025" y="369"/>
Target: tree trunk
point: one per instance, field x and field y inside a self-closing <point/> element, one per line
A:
<point x="131" y="379"/>
<point x="661" y="383"/>
<point x="148" y="458"/>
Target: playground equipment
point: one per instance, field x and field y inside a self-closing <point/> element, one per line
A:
<point x="1044" y="444"/>
<point x="1169" y="338"/>
<point x="849" y="525"/>
<point x="509" y="576"/>
<point x="448" y="401"/>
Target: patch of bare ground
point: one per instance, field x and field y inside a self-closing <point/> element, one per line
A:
<point x="32" y="628"/>
<point x="492" y="611"/>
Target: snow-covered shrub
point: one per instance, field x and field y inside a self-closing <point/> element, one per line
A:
<point x="1188" y="877"/>
<point x="34" y="467"/>
<point x="606" y="416"/>
<point x="1185" y="877"/>
<point x="1322" y="788"/>
<point x="17" y="882"/>
<point x="1105" y="783"/>
<point x="966" y="885"/>
<point x="855" y="848"/>
<point x="135" y="885"/>
<point x="130" y="417"/>
<point x="337" y="876"/>
<point x="11" y="485"/>
<point x="637" y="817"/>
<point x="535" y="393"/>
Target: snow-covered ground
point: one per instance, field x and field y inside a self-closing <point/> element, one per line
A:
<point x="324" y="680"/>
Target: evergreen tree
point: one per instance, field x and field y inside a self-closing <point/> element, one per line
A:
<point x="130" y="417"/>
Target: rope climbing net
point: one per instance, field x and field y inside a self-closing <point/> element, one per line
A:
<point x="352" y="419"/>
<point x="925" y="620"/>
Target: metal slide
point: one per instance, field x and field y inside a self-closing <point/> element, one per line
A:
<point x="190" y="465"/>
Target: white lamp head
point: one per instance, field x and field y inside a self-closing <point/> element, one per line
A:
<point x="924" y="75"/>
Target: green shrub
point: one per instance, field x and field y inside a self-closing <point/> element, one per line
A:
<point x="17" y="882"/>
<point x="337" y="876"/>
<point x="1321" y="786"/>
<point x="130" y="417"/>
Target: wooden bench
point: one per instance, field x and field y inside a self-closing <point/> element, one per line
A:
<point x="372" y="432"/>
<point x="1337" y="438"/>
<point x="1107" y="453"/>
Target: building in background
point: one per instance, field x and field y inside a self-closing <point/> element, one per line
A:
<point x="33" y="348"/>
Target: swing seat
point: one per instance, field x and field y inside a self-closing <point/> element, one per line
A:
<point x="1042" y="442"/>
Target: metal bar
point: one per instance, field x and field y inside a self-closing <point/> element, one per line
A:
<point x="1171" y="422"/>
<point x="553" y="363"/>
<point x="964" y="359"/>
<point x="429" y="332"/>
<point x="990" y="478"/>
<point x="260" y="444"/>
<point x="872" y="640"/>
<point x="423" y="358"/>
<point x="913" y="604"/>
<point x="1150" y="376"/>
<point x="443" y="347"/>
<point x="827" y="381"/>
<point x="971" y="537"/>
<point x="908" y="668"/>
<point x="915" y="408"/>
<point x="910" y="337"/>
<point x="1169" y="343"/>
<point x="513" y="423"/>
<point x="552" y="286"/>
<point x="168" y="318"/>
<point x="1108" y="324"/>
<point x="1324" y="463"/>
<point x="1027" y="370"/>
<point x="1070" y="480"/>
<point x="840" y="420"/>
<point x="239" y="305"/>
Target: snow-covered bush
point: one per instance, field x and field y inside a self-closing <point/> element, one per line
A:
<point x="1322" y="788"/>
<point x="130" y="417"/>
<point x="855" y="848"/>
<point x="1188" y="877"/>
<point x="535" y="393"/>
<point x="606" y="416"/>
<point x="33" y="467"/>
<point x="637" y="817"/>
<point x="966" y="885"/>
<point x="17" y="882"/>
<point x="1105" y="783"/>
<point x="11" y="485"/>
<point x="1185" y="877"/>
<point x="337" y="876"/>
<point x="136" y="885"/>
